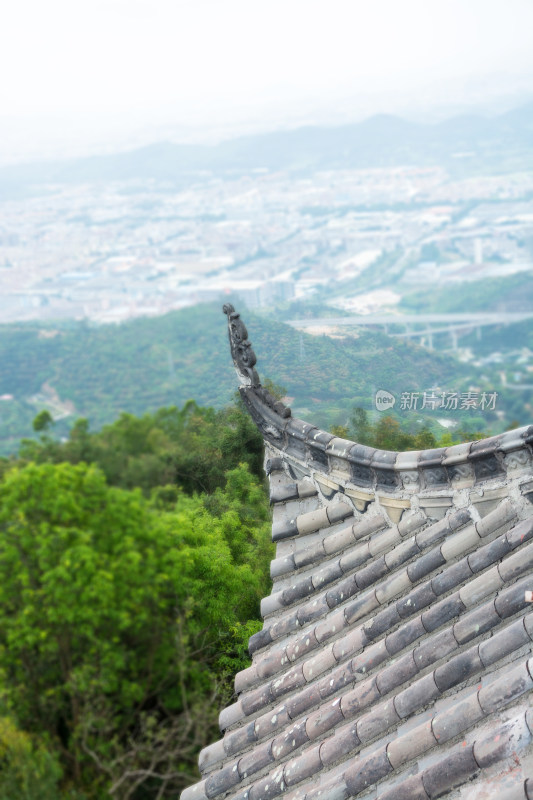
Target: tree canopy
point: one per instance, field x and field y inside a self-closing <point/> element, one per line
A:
<point x="132" y="563"/>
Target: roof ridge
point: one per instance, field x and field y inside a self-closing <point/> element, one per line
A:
<point x="386" y="470"/>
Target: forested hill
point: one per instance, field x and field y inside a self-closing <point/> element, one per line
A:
<point x="96" y="372"/>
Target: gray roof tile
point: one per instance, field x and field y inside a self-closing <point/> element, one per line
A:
<point x="402" y="553"/>
<point x="522" y="532"/>
<point x="457" y="767"/>
<point x="326" y="575"/>
<point x="256" y="700"/>
<point x="367" y="771"/>
<point x="494" y="551"/>
<point x="271" y="786"/>
<point x="402" y="749"/>
<point x="355" y="557"/>
<point x="418" y="694"/>
<point x="368" y="575"/>
<point x="361" y="606"/>
<point x="398" y="583"/>
<point x="302" y="766"/>
<point x="406" y="634"/>
<point x="271" y="722"/>
<point x="324" y="719"/>
<point x="320" y="663"/>
<point x="492" y="749"/>
<point x="351" y="643"/>
<point x="376" y="721"/>
<point x="497" y="519"/>
<point x="506" y="641"/>
<point x="312" y="610"/>
<point x="237" y="741"/>
<point x="460" y="542"/>
<point x="343" y="742"/>
<point x="369" y="659"/>
<point x="359" y="698"/>
<point x="230" y="715"/>
<point x="336" y="680"/>
<point x="458" y="669"/>
<point x="476" y="622"/>
<point x="425" y="565"/>
<point x="479" y="588"/>
<point x="301" y="645"/>
<point x="290" y="739"/>
<point x="303" y="700"/>
<point x="259" y="758"/>
<point x="511" y="600"/>
<point x="448" y="724"/>
<point x="219" y="782"/>
<point x="284" y="529"/>
<point x="498" y="694"/>
<point x="399" y="671"/>
<point x="282" y="625"/>
<point x="515" y="565"/>
<point x="442" y="612"/>
<point x="293" y="679"/>
<point x="434" y="648"/>
<point x="331" y="625"/>
<point x="382" y="622"/>
<point x="259" y="640"/>
<point x="308" y="555"/>
<point x="452" y="576"/>
<point x="416" y="600"/>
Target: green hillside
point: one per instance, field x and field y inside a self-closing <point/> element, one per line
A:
<point x="509" y="293"/>
<point x="97" y="372"/>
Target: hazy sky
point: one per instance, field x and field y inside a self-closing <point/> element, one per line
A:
<point x="94" y="70"/>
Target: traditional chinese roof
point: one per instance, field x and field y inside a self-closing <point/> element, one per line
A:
<point x="395" y="660"/>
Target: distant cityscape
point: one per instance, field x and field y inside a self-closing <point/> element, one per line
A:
<point x="110" y="252"/>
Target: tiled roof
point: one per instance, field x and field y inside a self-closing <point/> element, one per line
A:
<point x="395" y="661"/>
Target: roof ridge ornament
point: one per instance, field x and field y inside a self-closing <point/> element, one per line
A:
<point x="244" y="358"/>
<point x="244" y="361"/>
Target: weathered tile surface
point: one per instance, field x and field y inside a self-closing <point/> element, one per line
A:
<point x="393" y="645"/>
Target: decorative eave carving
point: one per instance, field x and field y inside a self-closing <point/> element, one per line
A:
<point x="244" y="361"/>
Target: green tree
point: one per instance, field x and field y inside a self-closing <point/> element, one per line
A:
<point x="28" y="770"/>
<point x="115" y="615"/>
<point x="43" y="421"/>
<point x="361" y="427"/>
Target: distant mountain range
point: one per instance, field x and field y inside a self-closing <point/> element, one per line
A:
<point x="383" y="140"/>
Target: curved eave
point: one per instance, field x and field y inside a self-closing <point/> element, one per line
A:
<point x="370" y="469"/>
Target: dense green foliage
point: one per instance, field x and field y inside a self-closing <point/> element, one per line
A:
<point x="192" y="447"/>
<point x="387" y="433"/>
<point x="129" y="587"/>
